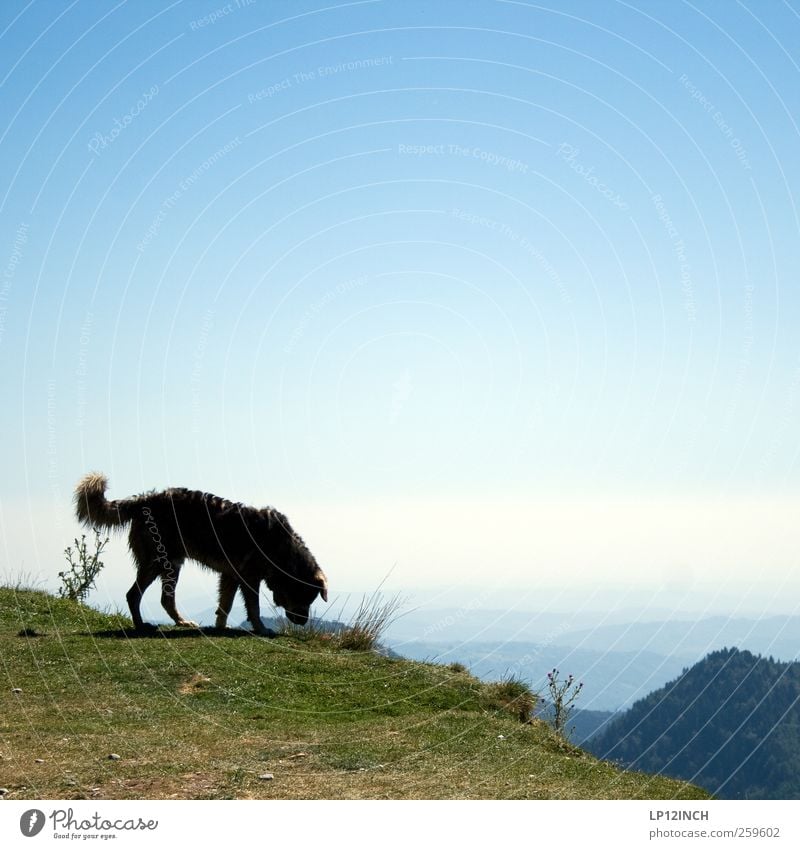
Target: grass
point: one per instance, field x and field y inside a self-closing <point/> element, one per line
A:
<point x="368" y="624"/>
<point x="512" y="695"/>
<point x="201" y="714"/>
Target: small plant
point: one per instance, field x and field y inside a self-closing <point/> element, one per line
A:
<point x="562" y="696"/>
<point x="83" y="569"/>
<point x="373" y="616"/>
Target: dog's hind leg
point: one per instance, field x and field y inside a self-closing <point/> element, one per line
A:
<point x="228" y="585"/>
<point x="169" y="580"/>
<point x="144" y="577"/>
<point x="148" y="568"/>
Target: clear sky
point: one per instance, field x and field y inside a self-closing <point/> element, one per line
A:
<point x="495" y="291"/>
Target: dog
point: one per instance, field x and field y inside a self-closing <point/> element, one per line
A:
<point x="245" y="545"/>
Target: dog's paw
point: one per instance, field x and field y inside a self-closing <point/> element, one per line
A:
<point x="187" y="623"/>
<point x="146" y="629"/>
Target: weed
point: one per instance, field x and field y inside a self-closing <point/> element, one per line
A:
<point x="562" y="695"/>
<point x="84" y="567"/>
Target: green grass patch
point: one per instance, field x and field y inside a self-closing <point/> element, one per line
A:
<point x="201" y="714"/>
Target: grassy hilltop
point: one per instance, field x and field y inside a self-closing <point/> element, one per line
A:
<point x="203" y="715"/>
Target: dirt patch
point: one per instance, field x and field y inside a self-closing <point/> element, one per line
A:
<point x="196" y="684"/>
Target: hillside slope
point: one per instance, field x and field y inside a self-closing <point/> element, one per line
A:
<point x="730" y="723"/>
<point x="202" y="715"/>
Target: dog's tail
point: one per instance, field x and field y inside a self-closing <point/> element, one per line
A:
<point x="91" y="505"/>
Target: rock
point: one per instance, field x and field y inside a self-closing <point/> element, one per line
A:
<point x="501" y="736"/>
<point x="39" y="761"/>
<point x="17" y="690"/>
<point x="113" y="757"/>
<point x="267" y="776"/>
<point x="3" y="791"/>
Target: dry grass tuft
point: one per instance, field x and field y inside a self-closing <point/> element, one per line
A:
<point x="513" y="695"/>
<point x="370" y="621"/>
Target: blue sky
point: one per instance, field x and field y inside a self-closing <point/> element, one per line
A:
<point x="413" y="272"/>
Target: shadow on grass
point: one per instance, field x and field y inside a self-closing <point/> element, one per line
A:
<point x="168" y="633"/>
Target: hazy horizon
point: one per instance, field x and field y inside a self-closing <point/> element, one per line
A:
<point x="715" y="557"/>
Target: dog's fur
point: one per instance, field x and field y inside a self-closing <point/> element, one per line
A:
<point x="245" y="545"/>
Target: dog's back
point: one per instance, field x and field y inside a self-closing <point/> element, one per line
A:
<point x="213" y="531"/>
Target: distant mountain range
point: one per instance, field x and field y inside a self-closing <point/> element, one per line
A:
<point x="730" y="723"/>
<point x="509" y="624"/>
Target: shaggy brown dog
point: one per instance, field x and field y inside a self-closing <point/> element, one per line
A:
<point x="244" y="544"/>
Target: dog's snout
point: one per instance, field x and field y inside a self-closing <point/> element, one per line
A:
<point x="297" y="618"/>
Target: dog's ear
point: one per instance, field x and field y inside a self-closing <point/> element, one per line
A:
<point x="319" y="577"/>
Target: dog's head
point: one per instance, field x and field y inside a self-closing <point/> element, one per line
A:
<point x="298" y="580"/>
<point x="296" y="600"/>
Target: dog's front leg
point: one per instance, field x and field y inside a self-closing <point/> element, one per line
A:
<point x="250" y="592"/>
